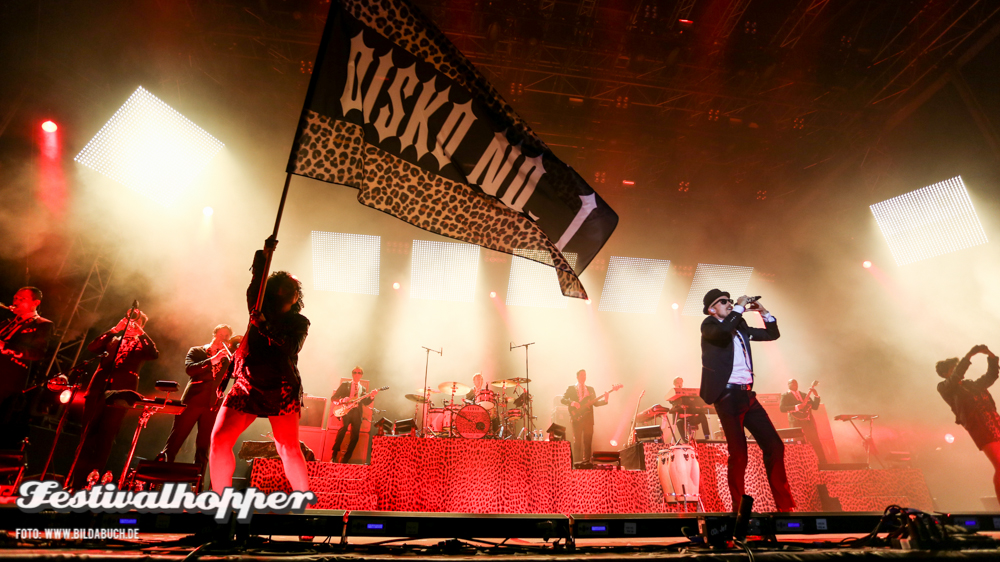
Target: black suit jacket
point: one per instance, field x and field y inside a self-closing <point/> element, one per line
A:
<point x="201" y="389"/>
<point x="344" y="390"/>
<point x="23" y="344"/>
<point x="789" y="402"/>
<point x="571" y="395"/>
<point x="717" y="350"/>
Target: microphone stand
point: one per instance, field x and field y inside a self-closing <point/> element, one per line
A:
<point x="527" y="386"/>
<point x="423" y="390"/>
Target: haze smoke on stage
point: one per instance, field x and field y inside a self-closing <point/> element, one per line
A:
<point x="730" y="278"/>
<point x="445" y="271"/>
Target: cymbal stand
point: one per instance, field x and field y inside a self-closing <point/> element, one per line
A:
<point x="868" y="441"/>
<point x="527" y="403"/>
<point x="427" y="363"/>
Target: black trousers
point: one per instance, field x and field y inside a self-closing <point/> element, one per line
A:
<point x="693" y="422"/>
<point x="353" y="421"/>
<point x="201" y="416"/>
<point x="583" y="437"/>
<point x="812" y="436"/>
<point x="738" y="409"/>
<point x="96" y="448"/>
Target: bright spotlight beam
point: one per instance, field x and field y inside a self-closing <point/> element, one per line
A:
<point x="929" y="222"/>
<point x="633" y="284"/>
<point x="346" y="263"/>
<point x="731" y="278"/>
<point x="150" y="148"/>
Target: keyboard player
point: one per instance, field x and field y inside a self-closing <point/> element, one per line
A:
<point x="688" y="410"/>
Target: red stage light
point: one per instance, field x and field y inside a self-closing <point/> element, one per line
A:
<point x="395" y="286"/>
<point x="628" y="182"/>
<point x="493" y="294"/>
<point x="949" y="438"/>
<point x="614" y="443"/>
<point x="49" y="127"/>
<point x="65" y="396"/>
<point x="686" y="22"/>
<point x="866" y="264"/>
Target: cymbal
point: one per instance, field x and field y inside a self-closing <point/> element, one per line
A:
<point x="430" y="390"/>
<point x="456" y="387"/>
<point x="513" y="381"/>
<point x="417" y="398"/>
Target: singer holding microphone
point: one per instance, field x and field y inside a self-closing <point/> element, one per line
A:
<point x="727" y="379"/>
<point x="207" y="366"/>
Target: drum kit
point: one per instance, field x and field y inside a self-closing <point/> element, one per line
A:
<point x="489" y="414"/>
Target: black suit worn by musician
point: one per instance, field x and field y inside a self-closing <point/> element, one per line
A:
<point x="792" y="400"/>
<point x="118" y="371"/>
<point x="351" y="419"/>
<point x="23" y="339"/>
<point x="200" y="398"/>
<point x="583" y="425"/>
<point x="726" y="384"/>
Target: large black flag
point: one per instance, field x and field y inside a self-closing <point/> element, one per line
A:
<point x="397" y="112"/>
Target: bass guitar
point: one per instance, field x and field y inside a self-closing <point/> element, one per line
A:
<point x="577" y="413"/>
<point x="345" y="405"/>
<point x="805" y="408"/>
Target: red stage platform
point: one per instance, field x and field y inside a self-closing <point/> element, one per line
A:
<point x="495" y="476"/>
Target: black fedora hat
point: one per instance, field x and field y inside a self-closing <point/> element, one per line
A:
<point x="711" y="297"/>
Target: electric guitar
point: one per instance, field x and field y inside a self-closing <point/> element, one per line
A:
<point x="805" y="411"/>
<point x="577" y="413"/>
<point x="345" y="405"/>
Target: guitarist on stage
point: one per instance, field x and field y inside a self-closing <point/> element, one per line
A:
<point x="347" y="392"/>
<point x="581" y="400"/>
<point x="799" y="407"/>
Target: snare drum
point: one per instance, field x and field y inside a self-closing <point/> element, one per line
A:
<point x="487" y="399"/>
<point x="473" y="422"/>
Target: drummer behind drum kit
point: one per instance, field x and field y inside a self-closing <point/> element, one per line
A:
<point x="485" y="416"/>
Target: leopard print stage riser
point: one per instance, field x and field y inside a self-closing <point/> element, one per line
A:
<point x="484" y="476"/>
<point x="874" y="490"/>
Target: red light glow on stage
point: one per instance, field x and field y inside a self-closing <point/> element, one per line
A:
<point x="628" y="182"/>
<point x="52" y="190"/>
<point x="866" y="264"/>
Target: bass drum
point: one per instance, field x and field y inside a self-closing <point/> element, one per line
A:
<point x="472" y="422"/>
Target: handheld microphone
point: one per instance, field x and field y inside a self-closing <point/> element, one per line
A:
<point x="751" y="300"/>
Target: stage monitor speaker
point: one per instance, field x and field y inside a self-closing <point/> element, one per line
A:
<point x="313" y="412"/>
<point x="314" y="438"/>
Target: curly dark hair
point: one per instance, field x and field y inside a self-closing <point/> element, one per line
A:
<point x="944" y="367"/>
<point x="279" y="280"/>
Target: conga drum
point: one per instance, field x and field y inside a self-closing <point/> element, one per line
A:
<point x="679" y="473"/>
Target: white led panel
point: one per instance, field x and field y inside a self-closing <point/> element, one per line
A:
<point x="150" y="148"/>
<point x="730" y="278"/>
<point x="444" y="271"/>
<point x="345" y="263"/>
<point x="535" y="284"/>
<point x="929" y="222"/>
<point x="633" y="284"/>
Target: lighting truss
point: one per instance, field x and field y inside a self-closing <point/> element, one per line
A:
<point x="346" y="263"/>
<point x="444" y="271"/>
<point x="535" y="284"/>
<point x="633" y="284"/>
<point x="731" y="278"/>
<point x="935" y="220"/>
<point x="150" y="148"/>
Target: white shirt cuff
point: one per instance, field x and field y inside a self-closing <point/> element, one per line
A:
<point x="769" y="318"/>
<point x="738" y="308"/>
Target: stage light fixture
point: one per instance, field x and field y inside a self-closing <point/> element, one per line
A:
<point x="932" y="221"/>
<point x="535" y="284"/>
<point x="633" y="284"/>
<point x="346" y="263"/>
<point x="395" y="285"/>
<point x="866" y="264"/>
<point x="493" y="294"/>
<point x="443" y="271"/>
<point x="675" y="306"/>
<point x="949" y="438"/>
<point x="614" y="443"/>
<point x="731" y="278"/>
<point x="150" y="148"/>
<point x="208" y="211"/>
<point x="49" y="127"/>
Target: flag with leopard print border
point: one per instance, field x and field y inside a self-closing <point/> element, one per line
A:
<point x="397" y="112"/>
